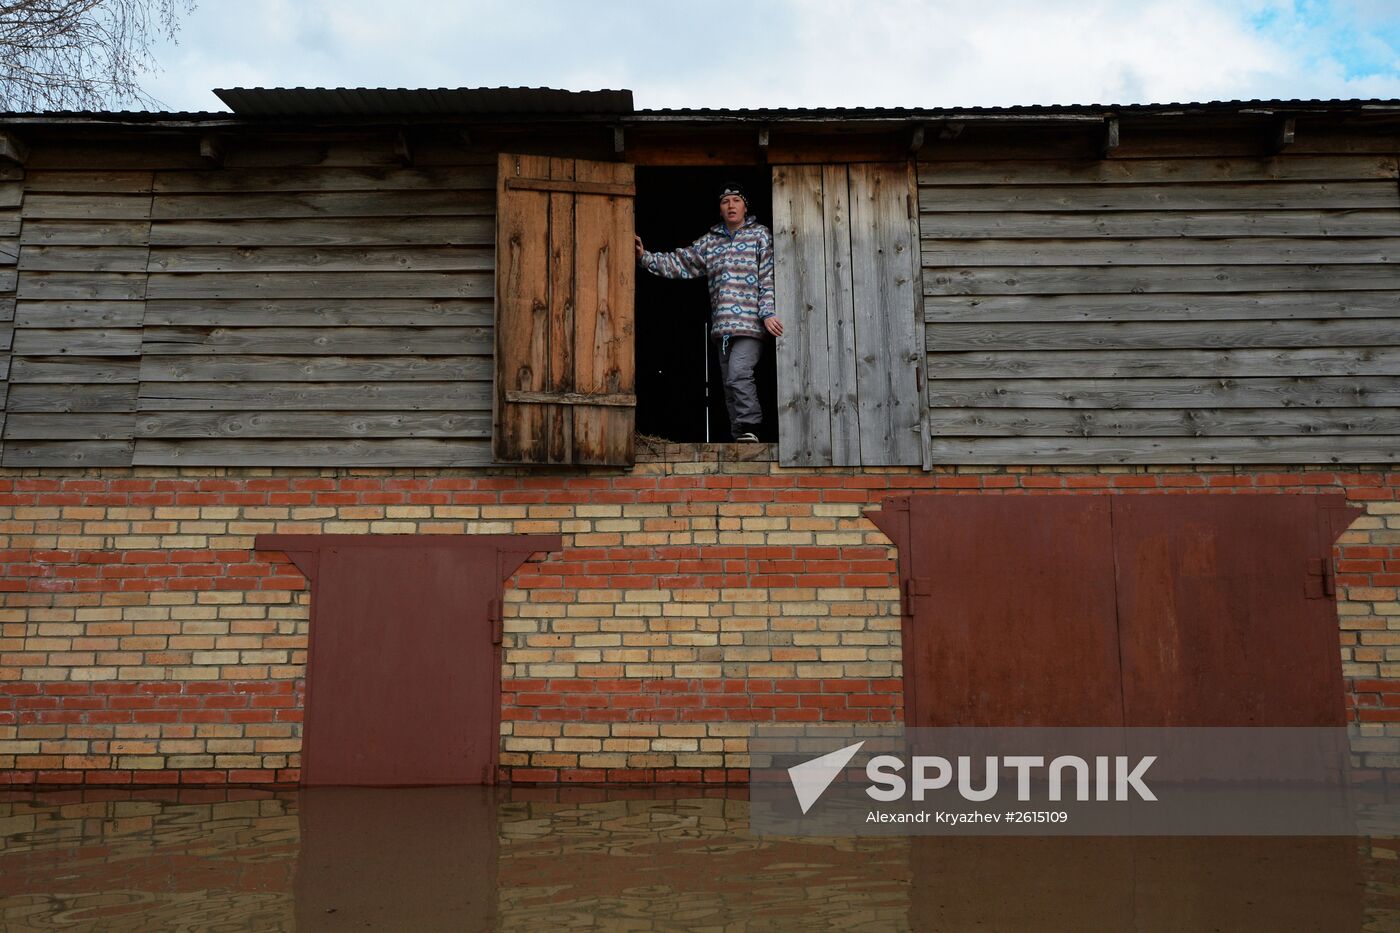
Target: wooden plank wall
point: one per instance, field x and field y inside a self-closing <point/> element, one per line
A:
<point x="82" y="286"/>
<point x="1150" y="309"/>
<point x="297" y="305"/>
<point x="11" y="196"/>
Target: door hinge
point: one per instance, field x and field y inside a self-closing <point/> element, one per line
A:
<point x="917" y="586"/>
<point x="1320" y="581"/>
<point x="493" y="615"/>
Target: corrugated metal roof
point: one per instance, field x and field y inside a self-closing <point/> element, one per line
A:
<point x="356" y="104"/>
<point x="380" y="101"/>
<point x="1038" y="110"/>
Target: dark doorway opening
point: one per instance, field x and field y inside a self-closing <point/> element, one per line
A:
<point x="679" y="394"/>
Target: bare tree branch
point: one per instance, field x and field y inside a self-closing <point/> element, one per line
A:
<point x="81" y="54"/>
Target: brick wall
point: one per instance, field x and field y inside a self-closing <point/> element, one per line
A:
<point x="143" y="641"/>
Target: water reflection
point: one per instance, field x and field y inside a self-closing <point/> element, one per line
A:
<point x="629" y="859"/>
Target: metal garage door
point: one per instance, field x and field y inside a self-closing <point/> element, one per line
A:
<point x="403" y="668"/>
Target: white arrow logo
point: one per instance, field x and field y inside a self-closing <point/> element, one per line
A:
<point x="811" y="778"/>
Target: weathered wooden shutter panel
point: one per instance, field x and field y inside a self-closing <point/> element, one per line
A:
<point x="565" y="377"/>
<point x="847" y="282"/>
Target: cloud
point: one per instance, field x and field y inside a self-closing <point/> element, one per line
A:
<point x="804" y="53"/>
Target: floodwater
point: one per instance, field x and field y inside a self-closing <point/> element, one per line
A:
<point x="629" y="859"/>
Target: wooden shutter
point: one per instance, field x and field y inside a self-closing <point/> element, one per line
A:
<point x="847" y="288"/>
<point x="565" y="267"/>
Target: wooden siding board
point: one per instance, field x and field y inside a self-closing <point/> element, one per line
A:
<point x="1140" y="171"/>
<point x="79" y="314"/>
<point x="254" y="205"/>
<point x="345" y="178"/>
<point x="265" y="259"/>
<point x="302" y="312"/>
<point x="105" y="233"/>
<point x="293" y="425"/>
<point x="1220" y="364"/>
<point x="1238" y="306"/>
<point x="395" y="452"/>
<point x="310" y="341"/>
<point x="426" y="285"/>
<point x="1088" y="451"/>
<point x="1136" y="280"/>
<point x="1378" y="222"/>
<point x="306" y="396"/>
<point x="77" y="426"/>
<point x="49" y="397"/>
<point x="800" y="264"/>
<point x="81" y="453"/>
<point x="78" y="342"/>
<point x="74" y="370"/>
<point x="68" y="183"/>
<point x="445" y="230"/>
<point x="1154" y="392"/>
<point x="1163" y="422"/>
<point x="71" y="286"/>
<point x="74" y="206"/>
<point x="1146" y="335"/>
<point x="1236" y="195"/>
<point x="312" y="369"/>
<point x="1027" y="251"/>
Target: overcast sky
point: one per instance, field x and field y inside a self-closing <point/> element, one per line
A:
<point x="799" y="53"/>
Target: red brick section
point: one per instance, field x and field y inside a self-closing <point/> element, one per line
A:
<point x="137" y="626"/>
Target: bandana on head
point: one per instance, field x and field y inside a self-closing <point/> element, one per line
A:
<point x="736" y="189"/>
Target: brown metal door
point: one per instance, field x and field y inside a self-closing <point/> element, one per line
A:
<point x="1225" y="609"/>
<point x="1020" y="610"/>
<point x="403" y="669"/>
<point x="1011" y="611"/>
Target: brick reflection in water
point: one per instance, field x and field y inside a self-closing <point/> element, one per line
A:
<point x="208" y="859"/>
<point x="582" y="859"/>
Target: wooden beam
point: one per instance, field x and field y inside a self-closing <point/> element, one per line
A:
<point x="619" y="141"/>
<point x="402" y="151"/>
<point x="1110" y="138"/>
<point x="571" y="398"/>
<point x="1283" y="133"/>
<point x="211" y="148"/>
<point x="916" y="140"/>
<point x="573" y="187"/>
<point x="13" y="149"/>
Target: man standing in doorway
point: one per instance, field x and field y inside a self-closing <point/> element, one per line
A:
<point x="736" y="256"/>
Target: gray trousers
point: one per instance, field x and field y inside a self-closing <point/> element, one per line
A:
<point x="740" y="391"/>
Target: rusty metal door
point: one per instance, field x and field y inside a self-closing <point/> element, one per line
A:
<point x="403" y="668"/>
<point x="1009" y="610"/>
<point x="1143" y="610"/>
<point x="1225" y="609"/>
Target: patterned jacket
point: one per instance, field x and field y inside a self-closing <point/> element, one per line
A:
<point x="739" y="267"/>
